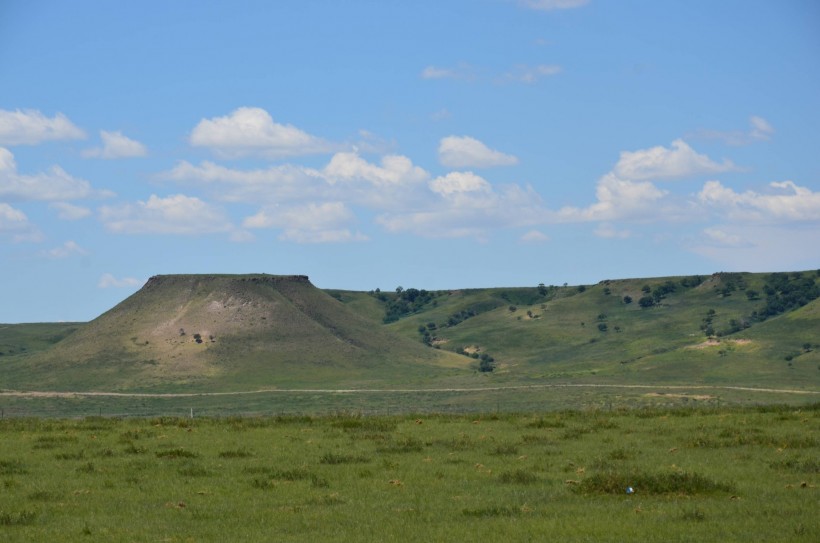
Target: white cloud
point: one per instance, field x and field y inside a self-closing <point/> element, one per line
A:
<point x="394" y="170"/>
<point x="530" y="74"/>
<point x="462" y="71"/>
<point x="609" y="231"/>
<point x="720" y="237"/>
<point x="549" y="5"/>
<point x="178" y="214"/>
<point x="457" y="204"/>
<point x="70" y="212"/>
<point x="15" y="224"/>
<point x="31" y="127"/>
<point x="250" y="131"/>
<point x="759" y="130"/>
<point x="467" y="152"/>
<point x="520" y="73"/>
<point x="54" y="184"/>
<point x="116" y="145"/>
<point x="617" y="199"/>
<point x="322" y="236"/>
<point x="393" y="183"/>
<point x="67" y="249"/>
<point x="463" y="204"/>
<point x="663" y="163"/>
<point x="311" y="223"/>
<point x="309" y="216"/>
<point x="786" y="201"/>
<point x="285" y="182"/>
<point x="432" y="72"/>
<point x="455" y="183"/>
<point x="535" y="236"/>
<point x="108" y="281"/>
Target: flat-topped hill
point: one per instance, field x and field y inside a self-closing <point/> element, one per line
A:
<point x="228" y="331"/>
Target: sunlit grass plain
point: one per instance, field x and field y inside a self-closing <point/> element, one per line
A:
<point x="698" y="474"/>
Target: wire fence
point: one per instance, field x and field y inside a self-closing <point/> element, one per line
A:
<point x="387" y="403"/>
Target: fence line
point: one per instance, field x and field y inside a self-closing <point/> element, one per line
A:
<point x="382" y="402"/>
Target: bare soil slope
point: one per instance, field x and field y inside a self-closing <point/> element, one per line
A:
<point x="231" y="331"/>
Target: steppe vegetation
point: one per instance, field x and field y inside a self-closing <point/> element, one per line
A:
<point x="728" y="474"/>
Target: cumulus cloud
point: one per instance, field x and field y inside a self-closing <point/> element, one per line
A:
<point x="177" y="214"/>
<point x="616" y="199"/>
<point x="285" y="182"/>
<point x="393" y="182"/>
<point x="625" y="193"/>
<point x="251" y="131"/>
<point x="107" y="280"/>
<point x="310" y="223"/>
<point x="394" y="170"/>
<point x="70" y="212"/>
<point x="54" y="184"/>
<point x="785" y="201"/>
<point x="31" y="127"/>
<point x="463" y="204"/>
<point x="665" y="163"/>
<point x="456" y="183"/>
<point x="456" y="204"/>
<point x="467" y="152"/>
<point x="116" y="145"/>
<point x="67" y="249"/>
<point x="15" y="224"/>
<point x="550" y="5"/>
<point x="309" y="216"/>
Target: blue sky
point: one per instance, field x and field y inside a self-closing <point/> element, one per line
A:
<point x="428" y="144"/>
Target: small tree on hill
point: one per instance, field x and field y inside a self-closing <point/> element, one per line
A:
<point x="646" y="301"/>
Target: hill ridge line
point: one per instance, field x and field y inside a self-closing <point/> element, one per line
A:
<point x="72" y="394"/>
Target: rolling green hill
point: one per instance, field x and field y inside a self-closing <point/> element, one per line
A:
<point x="728" y="328"/>
<point x="233" y="333"/>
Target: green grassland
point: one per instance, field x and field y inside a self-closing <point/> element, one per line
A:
<point x="19" y="339"/>
<point x="706" y="474"/>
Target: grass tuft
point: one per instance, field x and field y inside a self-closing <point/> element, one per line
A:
<point x="134" y="449"/>
<point x="177" y="452"/>
<point x="694" y="515"/>
<point x="12" y="467"/>
<point x="798" y="465"/>
<point x="333" y="459"/>
<point x="236" y="453"/>
<point x="22" y="518"/>
<point x="674" y="482"/>
<point x="518" y="477"/>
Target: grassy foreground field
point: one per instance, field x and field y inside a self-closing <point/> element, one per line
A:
<point x="706" y="474"/>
